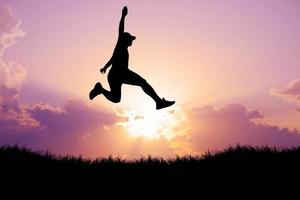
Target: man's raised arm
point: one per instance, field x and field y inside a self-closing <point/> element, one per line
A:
<point x="121" y="25"/>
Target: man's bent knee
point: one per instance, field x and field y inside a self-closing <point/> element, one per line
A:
<point x="116" y="99"/>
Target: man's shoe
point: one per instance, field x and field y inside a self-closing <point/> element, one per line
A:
<point x="163" y="104"/>
<point x="96" y="91"/>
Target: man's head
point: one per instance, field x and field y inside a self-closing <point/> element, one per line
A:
<point x="128" y="38"/>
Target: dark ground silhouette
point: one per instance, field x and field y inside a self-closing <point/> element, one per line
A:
<point x="120" y="74"/>
<point x="238" y="171"/>
<point x="235" y="162"/>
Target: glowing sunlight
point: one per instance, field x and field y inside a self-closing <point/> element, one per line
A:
<point x="152" y="124"/>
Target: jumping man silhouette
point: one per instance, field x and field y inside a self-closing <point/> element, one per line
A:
<point x="119" y="72"/>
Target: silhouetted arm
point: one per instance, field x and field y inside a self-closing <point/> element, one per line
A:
<point x="107" y="65"/>
<point x="122" y="21"/>
<point x="121" y="31"/>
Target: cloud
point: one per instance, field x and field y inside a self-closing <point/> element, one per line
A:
<point x="235" y="124"/>
<point x="12" y="74"/>
<point x="293" y="89"/>
<point x="64" y="129"/>
<point x="291" y="93"/>
<point x="10" y="109"/>
<point x="43" y="126"/>
<point x="76" y="116"/>
<point x="15" y="122"/>
<point x="9" y="28"/>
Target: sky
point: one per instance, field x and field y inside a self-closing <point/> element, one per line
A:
<point x="233" y="68"/>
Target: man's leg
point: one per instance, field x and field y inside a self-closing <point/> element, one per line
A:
<point x="114" y="95"/>
<point x="133" y="78"/>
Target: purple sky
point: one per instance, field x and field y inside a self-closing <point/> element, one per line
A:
<point x="224" y="58"/>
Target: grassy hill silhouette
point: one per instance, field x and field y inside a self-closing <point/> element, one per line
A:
<point x="234" y="162"/>
<point x="246" y="169"/>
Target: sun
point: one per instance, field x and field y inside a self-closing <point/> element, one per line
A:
<point x="153" y="124"/>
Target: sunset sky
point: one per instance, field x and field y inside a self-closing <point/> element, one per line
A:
<point x="233" y="68"/>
